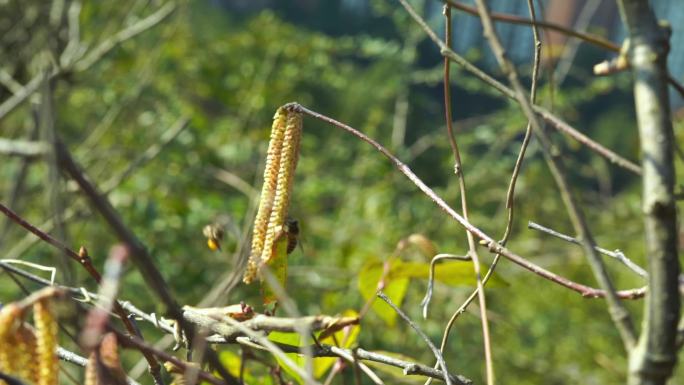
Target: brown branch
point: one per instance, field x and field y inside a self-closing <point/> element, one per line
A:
<point x="84" y="260"/>
<point x="555" y="121"/>
<point x="616" y="309"/>
<point x="654" y="358"/>
<point x="587" y="37"/>
<point x="458" y="169"/>
<point x="138" y="344"/>
<point x="139" y="253"/>
<point x="91" y="58"/>
<point x="263" y="323"/>
<point x="513" y="19"/>
<point x="487" y="240"/>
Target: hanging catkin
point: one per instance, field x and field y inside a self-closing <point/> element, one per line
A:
<point x="281" y="161"/>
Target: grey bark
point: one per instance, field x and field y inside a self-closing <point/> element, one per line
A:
<point x="653" y="359"/>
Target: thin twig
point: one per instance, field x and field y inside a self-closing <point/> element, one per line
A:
<point x="273" y="349"/>
<point x="617" y="254"/>
<point x="431" y="279"/>
<point x="138" y="344"/>
<point x="487" y="240"/>
<point x="587" y="37"/>
<point x="285" y="324"/>
<point x="555" y="121"/>
<point x="616" y="309"/>
<point x="435" y="351"/>
<point x="83" y="259"/>
<point x="110" y="43"/>
<point x="458" y="169"/>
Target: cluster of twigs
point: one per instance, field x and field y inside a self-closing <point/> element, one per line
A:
<point x="196" y="328"/>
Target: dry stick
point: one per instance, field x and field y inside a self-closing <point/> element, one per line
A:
<point x="587" y="37"/>
<point x="458" y="169"/>
<point x="108" y="186"/>
<point x="138" y="344"/>
<point x="19" y="179"/>
<point x="654" y="358"/>
<point x="555" y="121"/>
<point x="96" y="54"/>
<point x="82" y="258"/>
<point x="47" y="133"/>
<point x="617" y="310"/>
<point x="617" y="254"/>
<point x="510" y="194"/>
<point x="493" y="246"/>
<point x="435" y="351"/>
<point x="263" y="323"/>
<point x="139" y="254"/>
<point x="273" y="349"/>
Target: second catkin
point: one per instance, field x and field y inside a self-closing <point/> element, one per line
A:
<point x="281" y="162"/>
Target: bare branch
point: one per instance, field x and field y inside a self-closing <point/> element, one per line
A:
<point x="486" y="240"/>
<point x="595" y="40"/>
<point x="616" y="309"/>
<point x="128" y="33"/>
<point x="460" y="174"/>
<point x="433" y="348"/>
<point x="555" y="121"/>
<point x="617" y="254"/>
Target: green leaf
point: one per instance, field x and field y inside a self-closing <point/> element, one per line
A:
<point x="452" y="273"/>
<point x="393" y="286"/>
<point x="231" y="362"/>
<point x="278" y="267"/>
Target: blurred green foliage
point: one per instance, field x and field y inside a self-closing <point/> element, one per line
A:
<point x="228" y="72"/>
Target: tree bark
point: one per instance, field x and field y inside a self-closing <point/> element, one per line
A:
<point x="653" y="359"/>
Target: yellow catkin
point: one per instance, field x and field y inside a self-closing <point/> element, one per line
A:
<point x="8" y="316"/>
<point x="90" y="376"/>
<point x="281" y="202"/>
<point x="25" y="356"/>
<point x="46" y="342"/>
<point x="268" y="192"/>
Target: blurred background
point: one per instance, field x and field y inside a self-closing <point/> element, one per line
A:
<point x="127" y="76"/>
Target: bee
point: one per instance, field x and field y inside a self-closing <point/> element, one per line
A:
<point x="292" y="231"/>
<point x="214" y="234"/>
